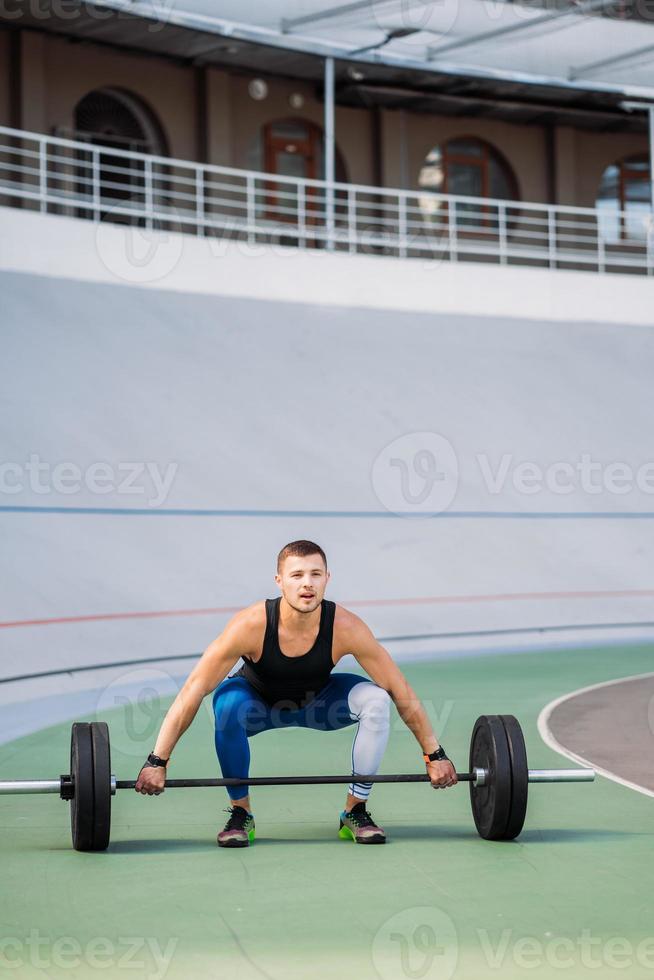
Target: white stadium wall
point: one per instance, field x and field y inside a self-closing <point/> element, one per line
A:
<point x="283" y="394"/>
<point x="113" y="254"/>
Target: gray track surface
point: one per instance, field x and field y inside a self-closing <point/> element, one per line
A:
<point x="613" y="727"/>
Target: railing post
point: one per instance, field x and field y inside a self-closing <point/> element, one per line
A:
<point x="250" y="206"/>
<point x="329" y="215"/>
<point x="301" y="215"/>
<point x="95" y="183"/>
<point x="452" y="228"/>
<point x="405" y="239"/>
<point x="329" y="151"/>
<point x="551" y="238"/>
<point x="402" y="223"/>
<point x="601" y="251"/>
<point x="149" y="203"/>
<point x="351" y="219"/>
<point x="43" y="177"/>
<point x="502" y="230"/>
<point x="199" y="200"/>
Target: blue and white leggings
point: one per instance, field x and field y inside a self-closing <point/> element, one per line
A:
<point x="346" y="699"/>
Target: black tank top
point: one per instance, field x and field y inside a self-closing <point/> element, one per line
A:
<point x="291" y="682"/>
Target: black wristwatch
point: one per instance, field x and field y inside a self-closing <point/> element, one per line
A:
<point x="437" y="756"/>
<point x="156" y="761"/>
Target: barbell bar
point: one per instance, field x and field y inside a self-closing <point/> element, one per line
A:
<point x="498" y="779"/>
<point x="478" y="777"/>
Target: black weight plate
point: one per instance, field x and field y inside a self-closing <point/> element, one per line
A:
<point x="491" y="803"/>
<point x="519" y="777"/>
<point x="82" y="808"/>
<point x="102" y="785"/>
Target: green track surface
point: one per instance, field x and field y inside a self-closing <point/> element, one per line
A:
<point x="435" y="901"/>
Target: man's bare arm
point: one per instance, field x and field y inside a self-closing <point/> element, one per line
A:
<point x="214" y="665"/>
<point x="382" y="669"/>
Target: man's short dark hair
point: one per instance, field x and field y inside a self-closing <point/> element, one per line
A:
<point x="300" y="549"/>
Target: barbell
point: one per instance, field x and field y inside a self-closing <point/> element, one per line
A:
<point x="498" y="778"/>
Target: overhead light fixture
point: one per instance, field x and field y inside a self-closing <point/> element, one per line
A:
<point x="258" y="89"/>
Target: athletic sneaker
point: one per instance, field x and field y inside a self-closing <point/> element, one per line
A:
<point x="358" y="825"/>
<point x="239" y="829"/>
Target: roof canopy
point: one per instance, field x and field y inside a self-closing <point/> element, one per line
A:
<point x="568" y="62"/>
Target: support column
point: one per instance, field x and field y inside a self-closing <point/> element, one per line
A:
<point x="33" y="82"/>
<point x="329" y="150"/>
<point x="389" y="149"/>
<point x="201" y="116"/>
<point x="651" y="155"/>
<point x="551" y="168"/>
<point x="15" y="106"/>
<point x="565" y="166"/>
<point x="377" y="132"/>
<point x="220" y="150"/>
<point x="405" y="179"/>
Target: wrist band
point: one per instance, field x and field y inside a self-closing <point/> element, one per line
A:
<point x="155" y="760"/>
<point x="437" y="756"/>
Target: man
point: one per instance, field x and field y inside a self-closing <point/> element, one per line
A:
<point x="289" y="647"/>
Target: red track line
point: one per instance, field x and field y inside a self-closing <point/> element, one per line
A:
<point x="421" y="600"/>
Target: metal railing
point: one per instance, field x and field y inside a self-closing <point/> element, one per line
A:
<point x="88" y="180"/>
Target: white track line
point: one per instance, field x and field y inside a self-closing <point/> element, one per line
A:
<point x="547" y="736"/>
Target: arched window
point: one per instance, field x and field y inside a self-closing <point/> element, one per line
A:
<point x="625" y="187"/>
<point x="470" y="167"/>
<point x="118" y="119"/>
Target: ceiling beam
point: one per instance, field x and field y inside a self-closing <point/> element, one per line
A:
<point x="582" y="8"/>
<point x="498" y="104"/>
<point x="616" y="59"/>
<point x="289" y="23"/>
